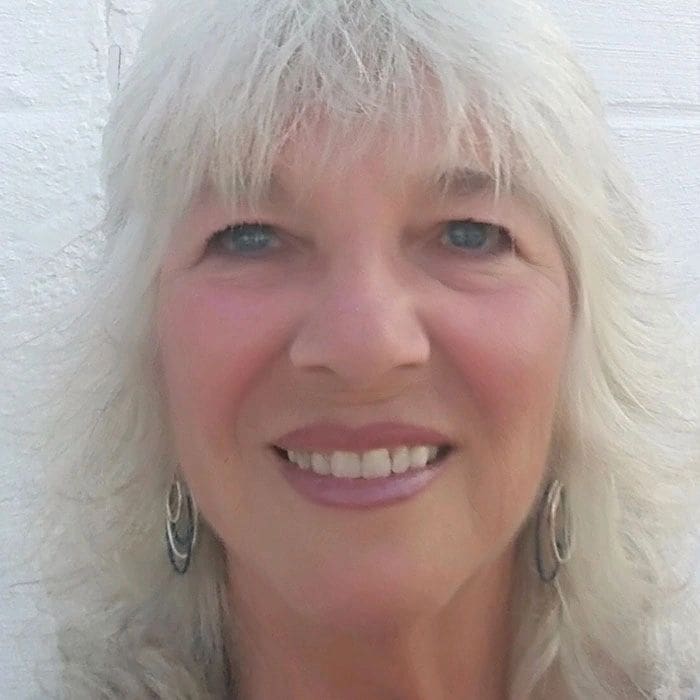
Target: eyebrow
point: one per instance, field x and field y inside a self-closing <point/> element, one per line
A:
<point x="451" y="183"/>
<point x="461" y="182"/>
<point x="271" y="192"/>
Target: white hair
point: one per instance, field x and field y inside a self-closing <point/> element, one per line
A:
<point x="215" y="90"/>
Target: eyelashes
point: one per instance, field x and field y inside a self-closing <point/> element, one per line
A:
<point x="467" y="236"/>
<point x="248" y="239"/>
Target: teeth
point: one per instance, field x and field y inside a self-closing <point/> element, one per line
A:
<point x="346" y="464"/>
<point x="376" y="463"/>
<point x="372" y="464"/>
<point x="400" y="460"/>
<point x="419" y="457"/>
<point x="303" y="459"/>
<point x="320" y="464"/>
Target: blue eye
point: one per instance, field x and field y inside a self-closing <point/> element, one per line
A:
<point x="244" y="239"/>
<point x="478" y="237"/>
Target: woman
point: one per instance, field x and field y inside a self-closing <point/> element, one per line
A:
<point x="392" y="408"/>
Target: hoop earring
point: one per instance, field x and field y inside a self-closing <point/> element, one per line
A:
<point x="558" y="534"/>
<point x="180" y="527"/>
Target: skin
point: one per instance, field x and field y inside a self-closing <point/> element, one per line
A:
<point x="361" y="311"/>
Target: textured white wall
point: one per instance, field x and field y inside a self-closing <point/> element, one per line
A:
<point x="58" y="66"/>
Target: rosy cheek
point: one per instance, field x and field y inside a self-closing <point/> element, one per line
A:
<point x="508" y="346"/>
<point x="215" y="341"/>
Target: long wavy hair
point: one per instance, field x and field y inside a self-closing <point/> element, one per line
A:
<point x="215" y="91"/>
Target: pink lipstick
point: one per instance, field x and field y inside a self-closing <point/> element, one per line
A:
<point x="361" y="491"/>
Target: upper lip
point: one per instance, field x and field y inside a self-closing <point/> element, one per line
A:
<point x="329" y="437"/>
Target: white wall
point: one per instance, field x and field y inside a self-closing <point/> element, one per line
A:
<point x="58" y="66"/>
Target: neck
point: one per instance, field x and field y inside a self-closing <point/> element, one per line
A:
<point x="457" y="652"/>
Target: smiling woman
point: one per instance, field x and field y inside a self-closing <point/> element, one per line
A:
<point x="389" y="412"/>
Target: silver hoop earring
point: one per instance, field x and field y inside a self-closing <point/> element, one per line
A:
<point x="553" y="539"/>
<point x="180" y="526"/>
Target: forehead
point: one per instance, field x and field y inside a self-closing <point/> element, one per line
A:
<point x="306" y="164"/>
<point x="422" y="159"/>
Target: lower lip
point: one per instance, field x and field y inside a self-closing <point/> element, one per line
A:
<point x="359" y="493"/>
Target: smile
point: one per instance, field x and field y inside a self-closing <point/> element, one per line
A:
<point x="371" y="464"/>
<point x="363" y="492"/>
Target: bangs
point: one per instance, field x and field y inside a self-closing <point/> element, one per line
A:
<point x="334" y="143"/>
<point x="348" y="84"/>
<point x="241" y="134"/>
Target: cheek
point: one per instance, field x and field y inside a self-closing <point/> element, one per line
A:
<point x="509" y="346"/>
<point x="213" y="344"/>
<point x="509" y="349"/>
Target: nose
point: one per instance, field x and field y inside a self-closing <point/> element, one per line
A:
<point x="362" y="326"/>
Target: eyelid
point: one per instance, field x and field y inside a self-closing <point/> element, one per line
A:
<point x="484" y="222"/>
<point x="214" y="237"/>
<point x="238" y="224"/>
<point x="277" y="236"/>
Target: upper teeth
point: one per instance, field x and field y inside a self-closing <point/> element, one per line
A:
<point x="367" y="465"/>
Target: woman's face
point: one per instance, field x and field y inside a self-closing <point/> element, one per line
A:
<point x="360" y="298"/>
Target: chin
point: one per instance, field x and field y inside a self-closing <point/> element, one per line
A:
<point x="376" y="598"/>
